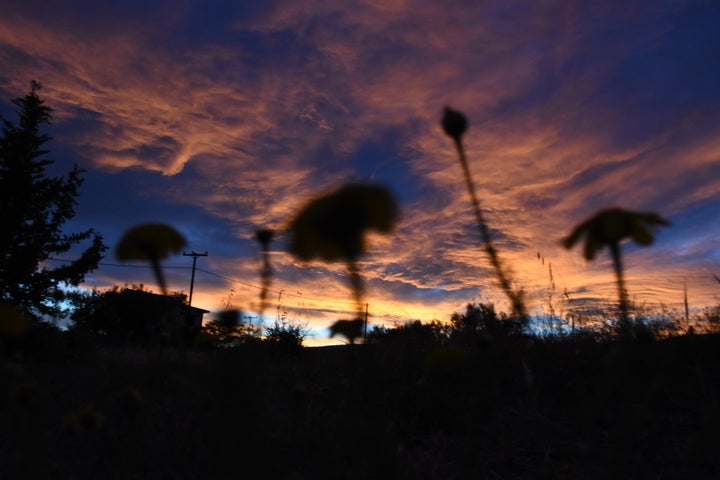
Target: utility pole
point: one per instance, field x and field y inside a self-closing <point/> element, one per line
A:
<point x="192" y="277"/>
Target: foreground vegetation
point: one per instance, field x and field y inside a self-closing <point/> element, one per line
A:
<point x="472" y="399"/>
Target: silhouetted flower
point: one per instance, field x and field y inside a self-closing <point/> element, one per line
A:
<point x="151" y="242"/>
<point x="332" y="227"/>
<point x="611" y="226"/>
<point x="608" y="228"/>
<point x="264" y="237"/>
<point x="454" y="123"/>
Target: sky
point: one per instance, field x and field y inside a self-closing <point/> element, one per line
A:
<point x="222" y="117"/>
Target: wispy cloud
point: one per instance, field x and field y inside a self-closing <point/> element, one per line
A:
<point x="248" y="111"/>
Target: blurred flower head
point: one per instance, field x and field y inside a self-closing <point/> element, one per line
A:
<point x="84" y="419"/>
<point x="264" y="236"/>
<point x="454" y="123"/>
<point x="149" y="241"/>
<point x="333" y="227"/>
<point x="611" y="226"/>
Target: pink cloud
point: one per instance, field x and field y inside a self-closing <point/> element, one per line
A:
<point x="264" y="134"/>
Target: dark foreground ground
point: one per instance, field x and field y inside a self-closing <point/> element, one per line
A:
<point x="506" y="410"/>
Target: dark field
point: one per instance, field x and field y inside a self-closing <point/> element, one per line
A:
<point x="512" y="408"/>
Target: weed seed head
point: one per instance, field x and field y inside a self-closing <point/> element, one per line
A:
<point x="454" y="123"/>
<point x="264" y="237"/>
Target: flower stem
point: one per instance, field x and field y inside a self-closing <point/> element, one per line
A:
<point x="357" y="285"/>
<point x="515" y="299"/>
<point x="622" y="293"/>
<point x="157" y="270"/>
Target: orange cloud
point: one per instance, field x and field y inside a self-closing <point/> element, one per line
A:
<point x="248" y="131"/>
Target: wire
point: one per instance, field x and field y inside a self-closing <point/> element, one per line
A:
<point x="229" y="279"/>
<point x="124" y="265"/>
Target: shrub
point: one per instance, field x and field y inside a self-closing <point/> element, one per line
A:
<point x="286" y="337"/>
<point x="481" y="321"/>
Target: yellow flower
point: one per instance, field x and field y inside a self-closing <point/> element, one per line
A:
<point x="84" y="419"/>
<point x="333" y="227"/>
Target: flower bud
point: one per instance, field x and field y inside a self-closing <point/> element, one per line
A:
<point x="453" y="123"/>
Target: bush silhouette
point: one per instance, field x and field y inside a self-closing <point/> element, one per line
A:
<point x="481" y="321"/>
<point x="228" y="329"/>
<point x="286" y="337"/>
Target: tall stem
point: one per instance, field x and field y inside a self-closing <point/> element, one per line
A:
<point x="619" y="277"/>
<point x="515" y="299"/>
<point x="265" y="279"/>
<point x="264" y="237"/>
<point x="155" y="262"/>
<point x="357" y="286"/>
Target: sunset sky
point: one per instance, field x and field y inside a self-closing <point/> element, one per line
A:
<point x="221" y="118"/>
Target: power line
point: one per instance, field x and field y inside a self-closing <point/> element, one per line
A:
<point x="224" y="277"/>
<point x="124" y="265"/>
